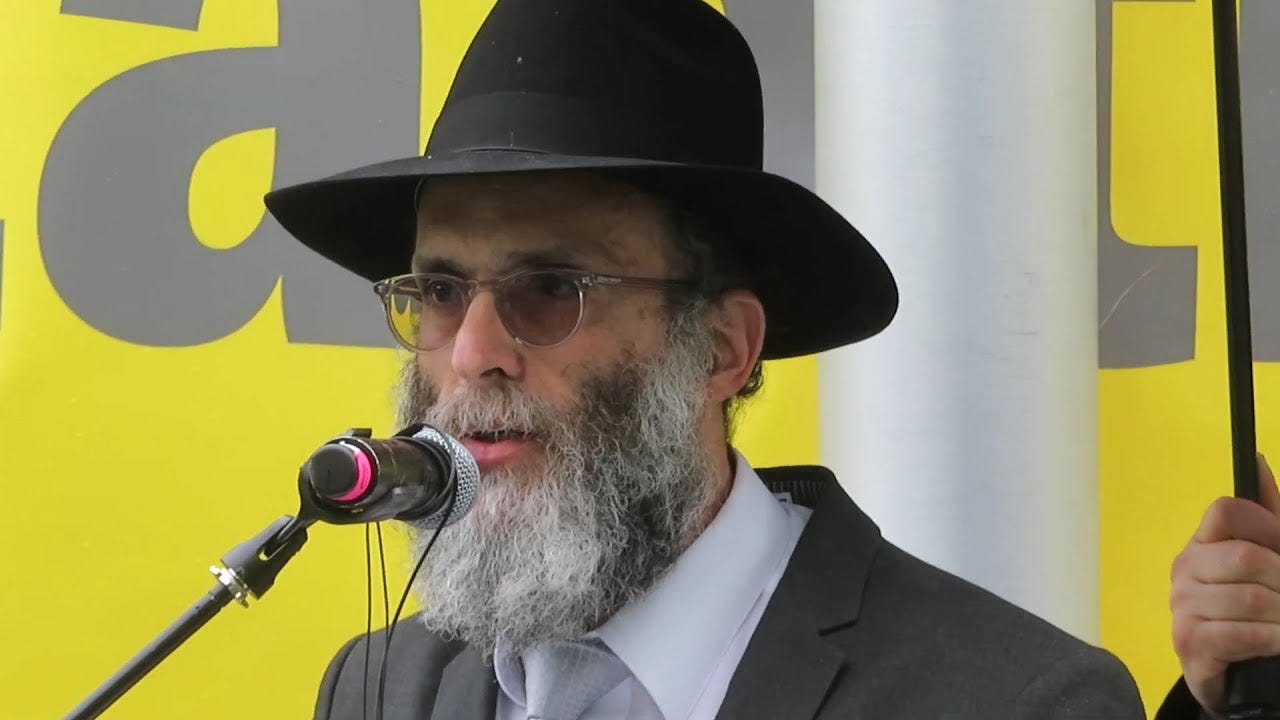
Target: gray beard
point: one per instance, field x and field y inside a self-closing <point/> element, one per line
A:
<point x="551" y="552"/>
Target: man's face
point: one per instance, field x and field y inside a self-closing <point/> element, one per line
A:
<point x="594" y="476"/>
<point x="487" y="228"/>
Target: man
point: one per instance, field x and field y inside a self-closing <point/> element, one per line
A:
<point x="589" y="264"/>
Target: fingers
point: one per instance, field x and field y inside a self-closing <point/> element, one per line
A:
<point x="1206" y="647"/>
<point x="1226" y="589"/>
<point x="1228" y="561"/>
<point x="1238" y="519"/>
<point x="1210" y="645"/>
<point x="1242" y="602"/>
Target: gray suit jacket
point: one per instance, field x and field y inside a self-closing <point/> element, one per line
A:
<point x="857" y="628"/>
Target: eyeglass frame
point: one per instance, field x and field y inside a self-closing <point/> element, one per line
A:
<point x="581" y="279"/>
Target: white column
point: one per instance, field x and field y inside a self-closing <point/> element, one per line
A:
<point x="960" y="137"/>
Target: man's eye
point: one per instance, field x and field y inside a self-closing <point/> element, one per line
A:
<point x="439" y="292"/>
<point x="555" y="285"/>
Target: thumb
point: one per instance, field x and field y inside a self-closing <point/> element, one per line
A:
<point x="1268" y="494"/>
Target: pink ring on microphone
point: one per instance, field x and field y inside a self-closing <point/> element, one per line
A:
<point x="364" y="476"/>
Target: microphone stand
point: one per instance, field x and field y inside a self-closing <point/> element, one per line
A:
<point x="249" y="569"/>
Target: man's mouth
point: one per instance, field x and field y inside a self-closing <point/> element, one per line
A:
<point x="492" y="436"/>
<point x="494" y="448"/>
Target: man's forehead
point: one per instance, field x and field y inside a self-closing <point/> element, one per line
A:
<point x="544" y="219"/>
<point x="465" y="256"/>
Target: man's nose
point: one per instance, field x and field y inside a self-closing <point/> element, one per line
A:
<point x="483" y="349"/>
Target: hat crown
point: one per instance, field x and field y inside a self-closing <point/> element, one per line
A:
<point x="662" y="80"/>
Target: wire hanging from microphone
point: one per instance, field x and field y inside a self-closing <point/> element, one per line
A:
<point x="435" y="535"/>
<point x="368" y="622"/>
<point x="368" y="609"/>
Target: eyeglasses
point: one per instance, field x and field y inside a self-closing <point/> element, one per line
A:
<point x="539" y="308"/>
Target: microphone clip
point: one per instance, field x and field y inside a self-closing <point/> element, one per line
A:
<point x="250" y="568"/>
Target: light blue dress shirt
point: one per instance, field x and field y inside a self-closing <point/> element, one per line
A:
<point x="682" y="640"/>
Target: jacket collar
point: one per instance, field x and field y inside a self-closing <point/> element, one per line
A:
<point x="467" y="688"/>
<point x="789" y="666"/>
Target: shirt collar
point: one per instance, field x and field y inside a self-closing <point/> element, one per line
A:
<point x="674" y="636"/>
<point x="509" y="671"/>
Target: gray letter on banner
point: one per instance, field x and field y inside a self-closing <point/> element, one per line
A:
<point x="341" y="89"/>
<point x="1259" y="64"/>
<point x="1146" y="295"/>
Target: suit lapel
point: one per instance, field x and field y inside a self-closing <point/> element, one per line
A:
<point x="788" y="666"/>
<point x="468" y="689"/>
<point x="785" y="672"/>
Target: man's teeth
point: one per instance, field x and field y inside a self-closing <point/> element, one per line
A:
<point x="497" y="435"/>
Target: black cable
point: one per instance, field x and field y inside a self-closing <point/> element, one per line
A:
<point x="368" y="623"/>
<point x="448" y="513"/>
<point x="368" y="610"/>
<point x="382" y="563"/>
<point x="386" y="612"/>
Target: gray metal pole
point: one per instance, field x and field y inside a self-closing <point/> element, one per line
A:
<point x="960" y="137"/>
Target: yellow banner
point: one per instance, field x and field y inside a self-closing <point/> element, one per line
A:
<point x="168" y="359"/>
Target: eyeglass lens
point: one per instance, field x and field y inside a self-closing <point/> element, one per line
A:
<point x="539" y="308"/>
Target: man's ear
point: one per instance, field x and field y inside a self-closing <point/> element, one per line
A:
<point x="738" y="325"/>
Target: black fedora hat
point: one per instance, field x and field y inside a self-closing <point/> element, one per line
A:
<point x="661" y="94"/>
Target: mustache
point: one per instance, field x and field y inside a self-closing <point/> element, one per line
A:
<point x="479" y="410"/>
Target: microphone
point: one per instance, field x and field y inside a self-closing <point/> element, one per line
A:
<point x="410" y="477"/>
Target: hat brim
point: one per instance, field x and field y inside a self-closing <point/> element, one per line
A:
<point x="821" y="283"/>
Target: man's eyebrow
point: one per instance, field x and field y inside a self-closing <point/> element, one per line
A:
<point x="573" y="253"/>
<point x="578" y="252"/>
<point x="542" y="258"/>
<point x="444" y="266"/>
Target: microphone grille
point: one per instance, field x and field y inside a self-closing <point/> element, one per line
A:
<point x="468" y="477"/>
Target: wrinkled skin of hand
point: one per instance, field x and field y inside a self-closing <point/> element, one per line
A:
<point x="1225" y="593"/>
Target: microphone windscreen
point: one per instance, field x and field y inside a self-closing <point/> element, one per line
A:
<point x="468" y="478"/>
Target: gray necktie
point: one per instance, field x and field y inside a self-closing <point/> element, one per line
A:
<point x="563" y="679"/>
